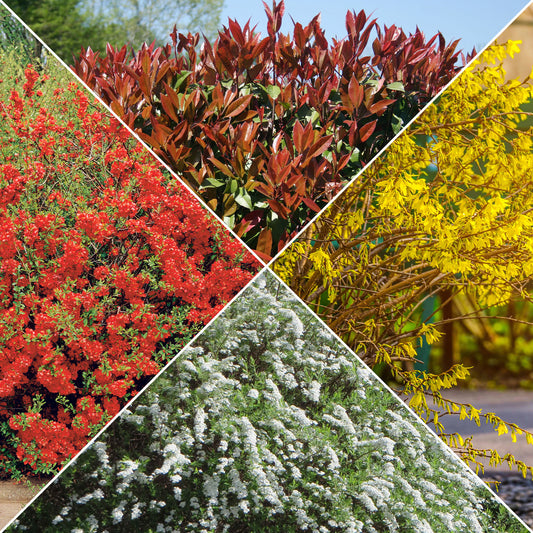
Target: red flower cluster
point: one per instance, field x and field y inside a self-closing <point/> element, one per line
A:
<point x="107" y="266"/>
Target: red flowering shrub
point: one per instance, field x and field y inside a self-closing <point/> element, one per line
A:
<point x="267" y="129"/>
<point x="107" y="267"/>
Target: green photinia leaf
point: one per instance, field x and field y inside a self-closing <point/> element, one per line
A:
<point x="396" y="86"/>
<point x="273" y="91"/>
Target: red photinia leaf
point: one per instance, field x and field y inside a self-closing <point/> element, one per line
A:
<point x="350" y="23"/>
<point x="319" y="147"/>
<point x="276" y="142"/>
<point x="367" y="130"/>
<point x="379" y="107"/>
<point x="418" y="56"/>
<point x="278" y="208"/>
<point x="264" y="242"/>
<point x="291" y="201"/>
<point x="298" y="180"/>
<point x="222" y="167"/>
<point x="274" y="16"/>
<point x="251" y="220"/>
<point x="238" y="106"/>
<point x="279" y="167"/>
<point x="312" y="205"/>
<point x="300" y="36"/>
<point x="117" y="108"/>
<point x="146" y="86"/>
<point x="179" y="133"/>
<point x="264" y="188"/>
<point x="298" y="133"/>
<point x="150" y="140"/>
<point x="169" y="108"/>
<point x="356" y="93"/>
<point x="266" y="258"/>
<point x="160" y="132"/>
<point x="376" y="47"/>
<point x="236" y="31"/>
<point x="343" y="161"/>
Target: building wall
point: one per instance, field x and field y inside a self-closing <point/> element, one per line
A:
<point x="520" y="30"/>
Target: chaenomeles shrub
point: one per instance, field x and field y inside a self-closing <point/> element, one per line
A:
<point x="268" y="129"/>
<point x="267" y="423"/>
<point x="445" y="211"/>
<point x="107" y="267"/>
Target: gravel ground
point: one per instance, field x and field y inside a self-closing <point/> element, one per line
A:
<point x="517" y="493"/>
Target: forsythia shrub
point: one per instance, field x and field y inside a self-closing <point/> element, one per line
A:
<point x="268" y="129"/>
<point x="267" y="423"/>
<point x="107" y="267"/>
<point x="446" y="208"/>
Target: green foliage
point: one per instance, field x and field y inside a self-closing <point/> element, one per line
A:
<point x="15" y="36"/>
<point x="142" y="21"/>
<point x="67" y="26"/>
<point x="59" y="24"/>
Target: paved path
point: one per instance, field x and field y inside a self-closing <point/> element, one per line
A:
<point x="512" y="406"/>
<point x="13" y="497"/>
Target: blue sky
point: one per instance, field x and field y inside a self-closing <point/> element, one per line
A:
<point x="475" y="22"/>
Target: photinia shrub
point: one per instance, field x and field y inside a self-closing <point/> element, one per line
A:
<point x="107" y="267"/>
<point x="267" y="423"/>
<point x="268" y="129"/>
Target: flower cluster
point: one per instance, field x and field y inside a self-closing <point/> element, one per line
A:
<point x="107" y="266"/>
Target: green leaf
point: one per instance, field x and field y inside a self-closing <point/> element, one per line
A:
<point x="354" y="158"/>
<point x="396" y="86"/>
<point x="315" y="116"/>
<point x="396" y="124"/>
<point x="233" y="186"/>
<point x="213" y="182"/>
<point x="243" y="198"/>
<point x="229" y="221"/>
<point x="181" y="79"/>
<point x="273" y="91"/>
